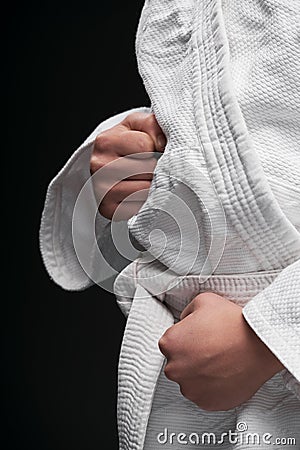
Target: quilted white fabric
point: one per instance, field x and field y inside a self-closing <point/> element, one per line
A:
<point x="56" y="242"/>
<point x="223" y="79"/>
<point x="274" y="314"/>
<point x="264" y="67"/>
<point x="273" y="410"/>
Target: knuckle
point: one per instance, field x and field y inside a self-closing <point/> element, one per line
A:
<point x="132" y="116"/>
<point x="196" y="302"/>
<point x="141" y="144"/>
<point x="162" y="344"/>
<point x="208" y="298"/>
<point x="165" y="341"/>
<point x="150" y="117"/>
<point x="150" y="120"/>
<point x="102" y="142"/>
<point x="170" y="372"/>
<point x="95" y="163"/>
<point x="204" y="297"/>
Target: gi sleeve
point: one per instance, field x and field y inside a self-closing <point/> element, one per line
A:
<point x="274" y="315"/>
<point x="56" y="239"/>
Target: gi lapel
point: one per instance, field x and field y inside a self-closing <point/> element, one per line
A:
<point x="233" y="163"/>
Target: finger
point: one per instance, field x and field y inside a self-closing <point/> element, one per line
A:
<point x="124" y="142"/>
<point x="129" y="190"/>
<point x="132" y="142"/>
<point x="189" y="309"/>
<point x="126" y="210"/>
<point x="114" y="170"/>
<point x="147" y="123"/>
<point x="122" y="211"/>
<point x="164" y="349"/>
<point x="166" y="342"/>
<point x="202" y="300"/>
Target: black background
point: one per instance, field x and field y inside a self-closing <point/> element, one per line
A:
<point x="65" y="70"/>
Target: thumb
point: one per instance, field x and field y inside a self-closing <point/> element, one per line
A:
<point x="147" y="123"/>
<point x="189" y="309"/>
<point x="205" y="299"/>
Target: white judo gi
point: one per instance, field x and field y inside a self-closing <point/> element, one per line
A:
<point x="223" y="80"/>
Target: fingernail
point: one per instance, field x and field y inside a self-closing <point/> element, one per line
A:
<point x="161" y="141"/>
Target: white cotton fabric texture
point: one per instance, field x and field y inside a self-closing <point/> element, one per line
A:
<point x="263" y="39"/>
<point x="56" y="239"/>
<point x="223" y="80"/>
<point x="273" y="410"/>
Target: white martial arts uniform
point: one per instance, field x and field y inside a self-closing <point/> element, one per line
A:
<point x="223" y="79"/>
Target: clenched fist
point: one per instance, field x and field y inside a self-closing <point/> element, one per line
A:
<point x="125" y="155"/>
<point x="214" y="355"/>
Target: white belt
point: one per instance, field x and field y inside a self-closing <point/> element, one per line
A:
<point x="140" y="360"/>
<point x="139" y="366"/>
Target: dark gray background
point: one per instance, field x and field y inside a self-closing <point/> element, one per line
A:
<point x="65" y="70"/>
